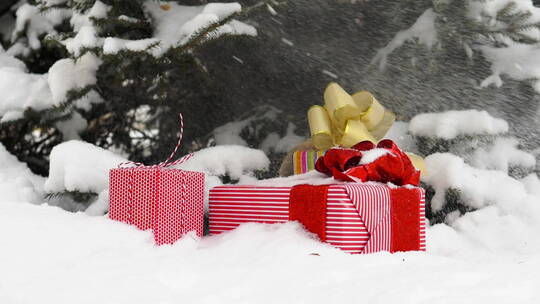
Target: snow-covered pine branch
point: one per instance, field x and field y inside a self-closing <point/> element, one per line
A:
<point x="504" y="32"/>
<point x="471" y="162"/>
<point x="108" y="61"/>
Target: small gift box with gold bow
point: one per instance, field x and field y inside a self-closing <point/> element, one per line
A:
<point x="344" y="120"/>
<point x="386" y="214"/>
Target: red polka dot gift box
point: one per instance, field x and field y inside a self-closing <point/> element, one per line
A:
<point x="168" y="201"/>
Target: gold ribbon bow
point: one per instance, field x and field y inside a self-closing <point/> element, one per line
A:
<point x="346" y="120"/>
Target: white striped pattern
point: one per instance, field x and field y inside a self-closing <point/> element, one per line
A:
<point x="422" y="219"/>
<point x="373" y="205"/>
<point x="232" y="206"/>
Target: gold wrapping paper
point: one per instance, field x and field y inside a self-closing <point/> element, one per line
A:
<point x="320" y="126"/>
<point x="340" y="105"/>
<point x="418" y="163"/>
<point x="355" y="132"/>
<point x="346" y="120"/>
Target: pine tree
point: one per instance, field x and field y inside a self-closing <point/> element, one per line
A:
<point x="125" y="99"/>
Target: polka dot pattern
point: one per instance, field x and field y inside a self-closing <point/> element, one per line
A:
<point x="168" y="201"/>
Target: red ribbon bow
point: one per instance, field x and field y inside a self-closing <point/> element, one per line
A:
<point x="364" y="162"/>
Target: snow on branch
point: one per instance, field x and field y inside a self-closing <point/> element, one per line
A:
<point x="17" y="182"/>
<point x="20" y="89"/>
<point x="451" y="124"/>
<point x="423" y="30"/>
<point x="69" y="74"/>
<point x="80" y="166"/>
<point x="479" y="187"/>
<point x="174" y="26"/>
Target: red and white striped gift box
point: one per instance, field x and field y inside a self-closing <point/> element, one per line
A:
<point x="360" y="218"/>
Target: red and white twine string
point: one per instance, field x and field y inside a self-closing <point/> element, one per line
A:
<point x="167" y="162"/>
<point x="134" y="165"/>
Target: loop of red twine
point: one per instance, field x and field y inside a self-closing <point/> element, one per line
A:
<point x="167" y="162"/>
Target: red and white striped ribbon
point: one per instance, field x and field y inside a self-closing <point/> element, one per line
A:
<point x="373" y="205"/>
<point x="168" y="161"/>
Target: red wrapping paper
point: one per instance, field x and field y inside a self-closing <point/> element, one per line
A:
<point x="358" y="218"/>
<point x="170" y="202"/>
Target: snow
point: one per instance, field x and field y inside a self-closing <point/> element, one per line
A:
<point x="372" y="155"/>
<point x="36" y="23"/>
<point x="83" y="167"/>
<point x="169" y="23"/>
<point x="177" y="24"/>
<point x="479" y="188"/>
<point x="174" y="26"/>
<point x="532" y="184"/>
<point x="235" y="28"/>
<point x="483" y="9"/>
<point x="230" y="160"/>
<point x="503" y="154"/>
<point x="271" y="10"/>
<point x="7" y="61"/>
<point x="509" y="58"/>
<point x="229" y="133"/>
<point x="98" y="11"/>
<point x="331" y="74"/>
<point x="100" y="206"/>
<point x="71" y="127"/>
<point x="17" y="182"/>
<point x="491" y="255"/>
<point x="518" y="61"/>
<point x="68" y="74"/>
<point x="52" y="2"/>
<point x="238" y="59"/>
<point x="222" y="10"/>
<point x="399" y="134"/>
<point x="273" y="142"/>
<point x="85" y="102"/>
<point x="515" y="60"/>
<point x="237" y="162"/>
<point x="312" y="178"/>
<point x="80" y="166"/>
<point x="22" y="90"/>
<point x="128" y="19"/>
<point x="269" y="142"/>
<point x="86" y="34"/>
<point x="486" y="258"/>
<point x="451" y="124"/>
<point x="287" y="42"/>
<point x="114" y="45"/>
<point x="86" y="38"/>
<point x="423" y="31"/>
